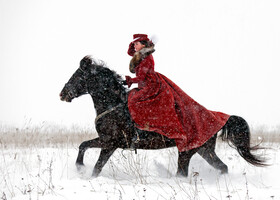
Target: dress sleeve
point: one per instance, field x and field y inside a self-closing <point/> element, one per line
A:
<point x="144" y="67"/>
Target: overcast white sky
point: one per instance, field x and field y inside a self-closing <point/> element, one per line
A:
<point x="224" y="54"/>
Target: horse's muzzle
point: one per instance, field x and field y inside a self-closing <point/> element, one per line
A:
<point x="64" y="97"/>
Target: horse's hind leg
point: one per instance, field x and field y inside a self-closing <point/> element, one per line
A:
<point x="184" y="161"/>
<point x="83" y="147"/>
<point x="104" y="156"/>
<point x="207" y="151"/>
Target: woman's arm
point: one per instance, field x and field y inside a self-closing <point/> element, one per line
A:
<point x="144" y="67"/>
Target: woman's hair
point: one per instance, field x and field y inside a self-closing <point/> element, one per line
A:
<point x="147" y="43"/>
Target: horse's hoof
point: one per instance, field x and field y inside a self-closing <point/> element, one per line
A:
<point x="95" y="173"/>
<point x="224" y="171"/>
<point x="182" y="174"/>
<point x="80" y="167"/>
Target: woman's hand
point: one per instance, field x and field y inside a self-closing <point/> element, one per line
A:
<point x="131" y="49"/>
<point x="128" y="81"/>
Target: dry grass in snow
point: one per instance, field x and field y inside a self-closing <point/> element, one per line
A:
<point x="41" y="165"/>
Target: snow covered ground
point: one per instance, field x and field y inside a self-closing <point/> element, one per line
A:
<point x="50" y="173"/>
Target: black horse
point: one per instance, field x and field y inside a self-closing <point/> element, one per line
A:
<point x="116" y="129"/>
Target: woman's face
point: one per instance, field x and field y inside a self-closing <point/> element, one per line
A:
<point x="138" y="46"/>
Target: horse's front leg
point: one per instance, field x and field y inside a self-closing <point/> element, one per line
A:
<point x="95" y="143"/>
<point x="104" y="156"/>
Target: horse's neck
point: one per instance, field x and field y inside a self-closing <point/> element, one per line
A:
<point x="103" y="104"/>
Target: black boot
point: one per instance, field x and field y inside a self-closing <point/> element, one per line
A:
<point x="135" y="140"/>
<point x="139" y="136"/>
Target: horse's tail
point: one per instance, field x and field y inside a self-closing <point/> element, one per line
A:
<point x="236" y="132"/>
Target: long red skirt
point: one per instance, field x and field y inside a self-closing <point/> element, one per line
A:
<point x="166" y="109"/>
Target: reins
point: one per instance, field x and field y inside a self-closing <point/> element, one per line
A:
<point x="106" y="112"/>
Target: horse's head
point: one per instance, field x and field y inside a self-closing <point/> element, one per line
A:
<point x="77" y="84"/>
<point x="94" y="79"/>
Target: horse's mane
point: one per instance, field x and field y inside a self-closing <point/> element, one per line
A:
<point x="102" y="64"/>
<point x="101" y="68"/>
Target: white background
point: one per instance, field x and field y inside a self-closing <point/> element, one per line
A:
<point x="224" y="54"/>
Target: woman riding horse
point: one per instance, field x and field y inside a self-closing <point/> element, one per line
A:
<point x="158" y="104"/>
<point x="161" y="106"/>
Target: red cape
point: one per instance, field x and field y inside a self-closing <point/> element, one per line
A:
<point x="160" y="105"/>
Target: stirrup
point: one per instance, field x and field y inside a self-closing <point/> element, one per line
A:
<point x="137" y="138"/>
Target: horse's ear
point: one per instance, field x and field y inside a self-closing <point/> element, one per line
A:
<point x="85" y="62"/>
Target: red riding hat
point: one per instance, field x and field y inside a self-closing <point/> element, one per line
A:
<point x="140" y="37"/>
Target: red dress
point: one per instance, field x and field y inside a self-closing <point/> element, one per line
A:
<point x="160" y="105"/>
